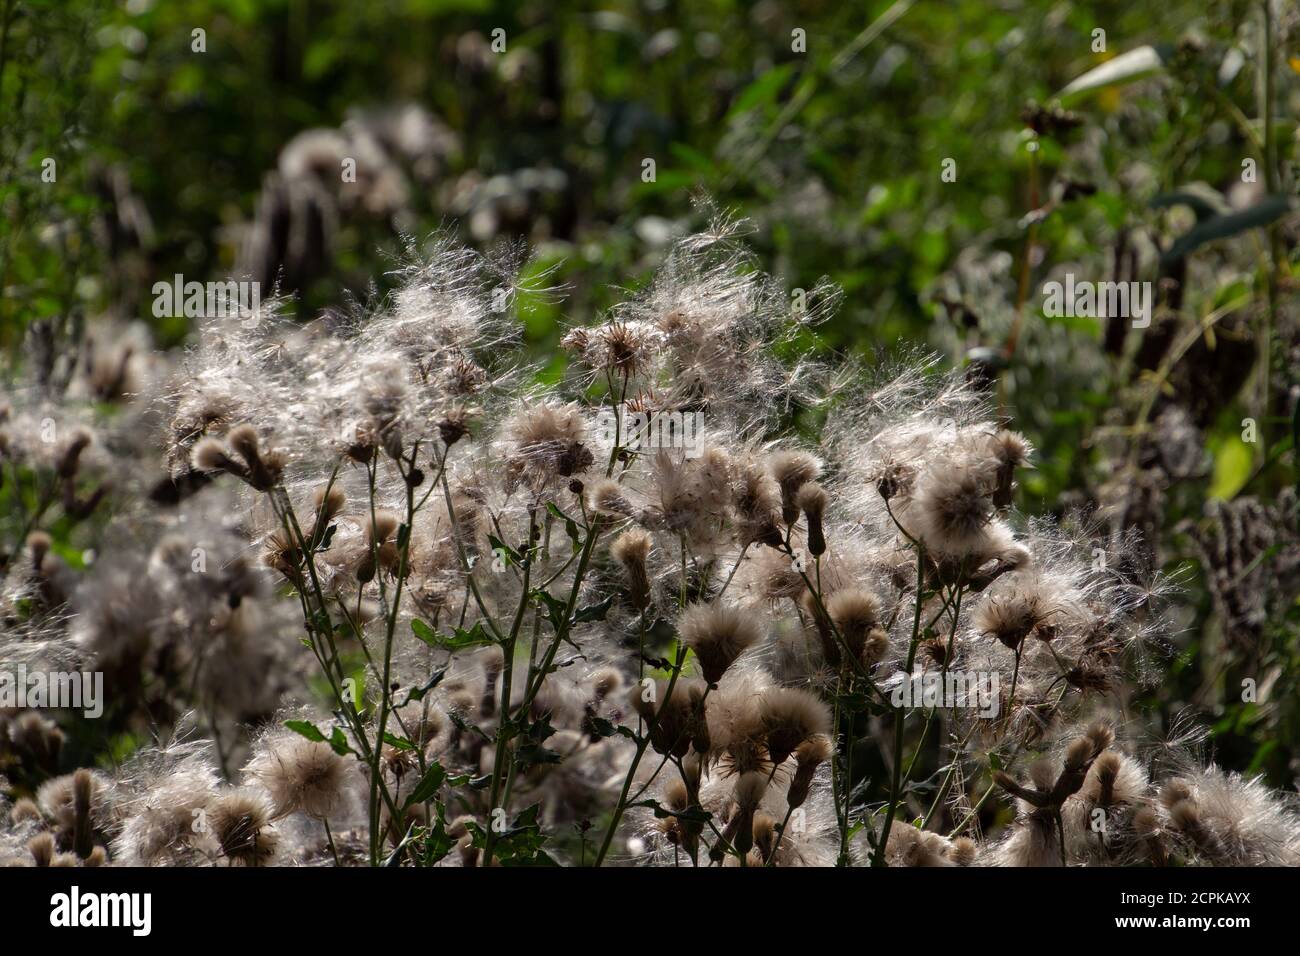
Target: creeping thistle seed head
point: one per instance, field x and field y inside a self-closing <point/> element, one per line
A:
<point x="41" y="848"/>
<point x="1078" y="754"/>
<point x="244" y="441"/>
<point x="381" y="551"/>
<point x="1101" y="735"/>
<point x="576" y="340"/>
<point x="262" y="468"/>
<point x="811" y="499"/>
<point x="747" y="795"/>
<point x="953" y="502"/>
<point x="24" y="811"/>
<point x="1010" y="450"/>
<point x="677" y="714"/>
<point x="241" y="824"/>
<point x="39" y="544"/>
<point x="792" y="470"/>
<point x="607" y="496"/>
<point x="790" y="716"/>
<point x="381" y="527"/>
<point x="1021" y="608"/>
<point x="809" y="755"/>
<point x="1146" y="826"/>
<point x="674" y="798"/>
<point x="454" y="426"/>
<point x="329" y="500"/>
<point x="300" y="775"/>
<point x="545" y="442"/>
<point x="464" y="377"/>
<point x="764" y="831"/>
<point x="605" y="682"/>
<point x="1175" y="791"/>
<point x="70" y="458"/>
<point x="856" y="615"/>
<point x="210" y="454"/>
<point x="283" y="555"/>
<point x="631" y="549"/>
<point x="1115" y="780"/>
<point x="963" y="851"/>
<point x="757" y="502"/>
<point x="718" y="634"/>
<point x="36" y="740"/>
<point x="622" y="348"/>
<point x="363" y="444"/>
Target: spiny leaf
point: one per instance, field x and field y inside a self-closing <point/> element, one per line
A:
<point x="433" y="778"/>
<point x="593" y="612"/>
<point x="690" y="815"/>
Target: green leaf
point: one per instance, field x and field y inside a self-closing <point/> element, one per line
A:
<point x="435" y="841"/>
<point x="1232" y="465"/>
<point x="762" y="91"/>
<point x="519" y="845"/>
<point x="530" y="752"/>
<point x="461" y="638"/>
<point x="339" y="742"/>
<point x="433" y="778"/>
<point x="593" y="612"/>
<point x="1202" y="198"/>
<point x="307" y="729"/>
<point x="424" y="632"/>
<point x="401" y="743"/>
<point x="510" y="555"/>
<point x="1262" y="213"/>
<point x="417" y="693"/>
<point x="556" y="610"/>
<point x="690" y="815"/>
<point x="607" y="728"/>
<point x="570" y="526"/>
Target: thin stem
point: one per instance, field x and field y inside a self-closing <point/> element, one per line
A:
<point x="896" y="785"/>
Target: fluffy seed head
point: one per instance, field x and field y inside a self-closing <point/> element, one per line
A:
<point x="954" y="506"/>
<point x="792" y="470"/>
<point x="791" y="715"/>
<point x="718" y="634"/>
<point x="856" y="615"/>
<point x="240" y="822"/>
<point x="301" y="775"/>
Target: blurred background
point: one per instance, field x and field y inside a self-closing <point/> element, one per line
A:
<point x="939" y="160"/>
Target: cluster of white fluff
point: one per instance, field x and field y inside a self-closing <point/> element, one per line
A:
<point x="395" y="594"/>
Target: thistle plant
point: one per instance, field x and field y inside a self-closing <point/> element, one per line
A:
<point x="447" y="615"/>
